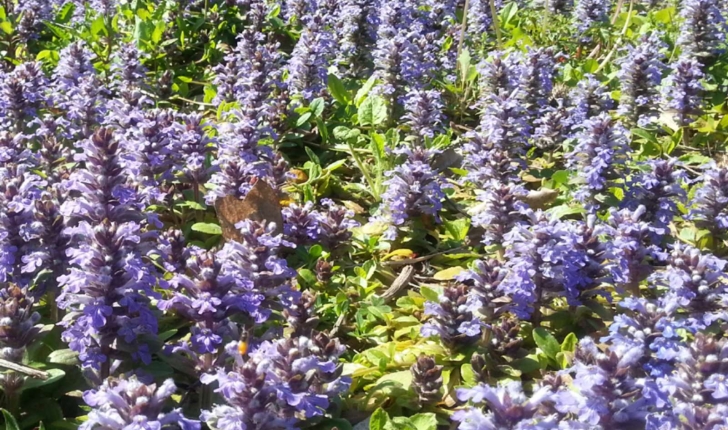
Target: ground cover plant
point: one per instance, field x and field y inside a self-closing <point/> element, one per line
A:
<point x="352" y="214"/>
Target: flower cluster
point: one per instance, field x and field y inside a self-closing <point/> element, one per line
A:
<point x="331" y="227"/>
<point x="128" y="402"/>
<point x="640" y="74"/>
<point x="659" y="190"/>
<point x="19" y="329"/>
<point x="710" y="204"/>
<point x="681" y="90"/>
<point x="413" y="189"/>
<point x="600" y="150"/>
<point x="278" y="384"/>
<point x="108" y="286"/>
<point x="702" y="33"/>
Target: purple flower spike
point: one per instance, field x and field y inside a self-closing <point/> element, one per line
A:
<point x="106" y="291"/>
<point x="710" y="205"/>
<point x="682" y="90"/>
<point x="413" y="189"/>
<point x="640" y="74"/>
<point x="127" y="403"/>
<point x="278" y="384"/>
<point x="453" y="319"/>
<point x="602" y="146"/>
<point x="703" y="30"/>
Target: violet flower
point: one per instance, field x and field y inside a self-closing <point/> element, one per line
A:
<point x="507" y="407"/>
<point x="588" y="99"/>
<point x="413" y="189"/>
<point x="682" y="90"/>
<point x="426" y="380"/>
<point x="698" y="389"/>
<point x="629" y="251"/>
<point x="499" y="73"/>
<point x="148" y="151"/>
<point x="640" y="74"/>
<point x="606" y="391"/>
<point x="602" y="146"/>
<point x="703" y="29"/>
<point x="106" y="290"/>
<point x="501" y="210"/>
<point x="536" y="82"/>
<point x="22" y="95"/>
<point x="259" y="272"/>
<point x="19" y="329"/>
<point x="424" y="114"/>
<point x="453" y="319"/>
<point x="195" y="146"/>
<point x="307" y="68"/>
<point x="486" y="161"/>
<point x="710" y="204"/>
<point x="589" y="14"/>
<point x="480" y="19"/>
<point x="278" y="385"/>
<point x="19" y="188"/>
<point x="697" y="285"/>
<point x="127" y="403"/>
<point x="659" y="189"/>
<point x="206" y="296"/>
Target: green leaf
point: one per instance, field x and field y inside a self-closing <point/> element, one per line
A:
<point x="377" y="421"/>
<point x="464" y="62"/>
<point x="158" y="32"/>
<point x="63" y="356"/>
<point x="10" y="422"/>
<point x="448" y="274"/>
<point x="526" y="365"/>
<point x="345" y="133"/>
<point x="644" y="134"/>
<point x="468" y="375"/>
<point x="569" y="343"/>
<point x="458" y="229"/>
<point x="312" y="156"/>
<point x="317" y="106"/>
<point x="426" y="421"/>
<point x="303" y="119"/>
<point x="560" y="177"/>
<point x="338" y="91"/>
<point x="508" y="13"/>
<point x="98" y="26"/>
<point x="364" y="91"/>
<point x="665" y="16"/>
<point x="7" y="27"/>
<point x="547" y="342"/>
<point x="207" y="228"/>
<point x="55" y="375"/>
<point x="430" y="294"/>
<point x="400" y="423"/>
<point x="403" y="378"/>
<point x="695" y="159"/>
<point x="561" y="211"/>
<point x="373" y="111"/>
<point x="307" y="276"/>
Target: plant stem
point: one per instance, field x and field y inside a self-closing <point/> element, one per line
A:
<point x="463" y="28"/>
<point x="206" y="389"/>
<point x="616" y="11"/>
<point x="365" y="172"/>
<point x="496" y="24"/>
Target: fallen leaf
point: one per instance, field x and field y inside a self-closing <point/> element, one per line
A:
<point x="260" y="204"/>
<point x="540" y="199"/>
<point x="448" y="274"/>
<point x="447" y="159"/>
